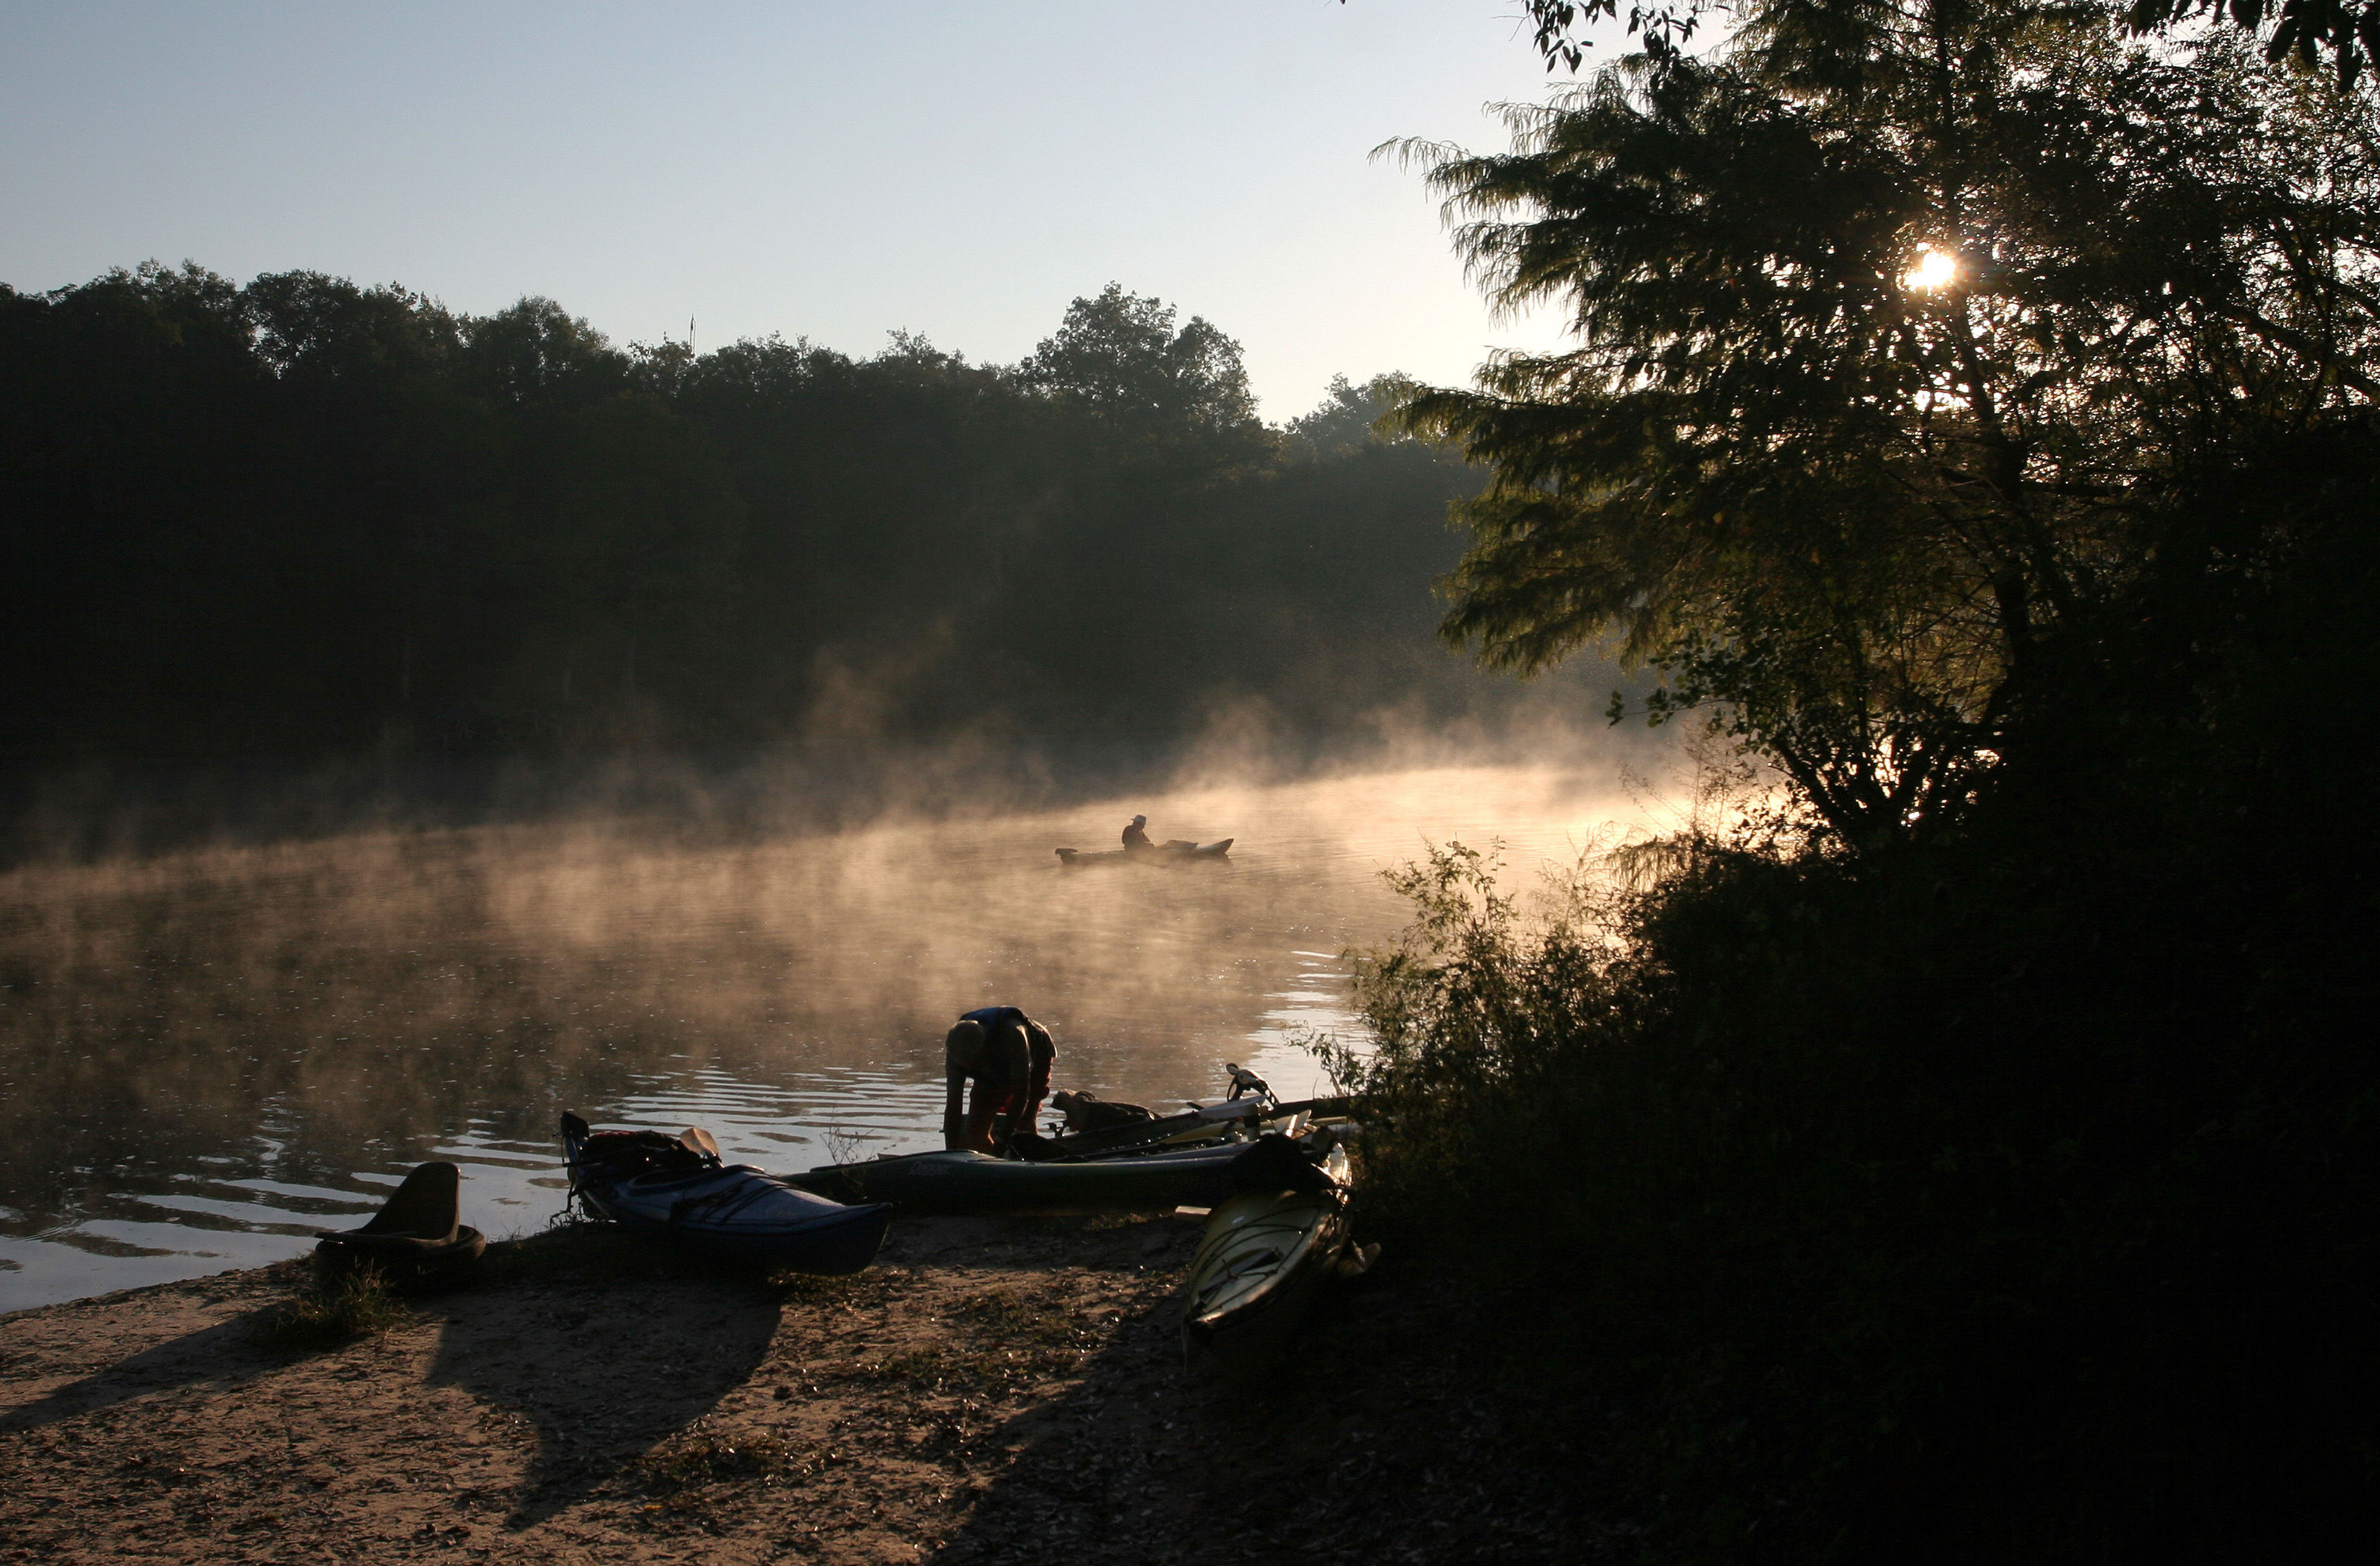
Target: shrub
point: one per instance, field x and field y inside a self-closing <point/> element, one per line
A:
<point x="334" y="1307"/>
<point x="2006" y="1194"/>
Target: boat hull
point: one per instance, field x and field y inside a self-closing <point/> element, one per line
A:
<point x="1203" y="1122"/>
<point x="831" y="1245"/>
<point x="736" y="1213"/>
<point x="962" y="1182"/>
<point x="1170" y="854"/>
<point x="1265" y="1256"/>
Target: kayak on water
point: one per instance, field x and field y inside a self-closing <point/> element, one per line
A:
<point x="414" y="1241"/>
<point x="679" y="1187"/>
<point x="960" y="1181"/>
<point x="1164" y="853"/>
<point x="1265" y="1254"/>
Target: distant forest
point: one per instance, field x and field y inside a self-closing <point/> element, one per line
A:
<point x="304" y="517"/>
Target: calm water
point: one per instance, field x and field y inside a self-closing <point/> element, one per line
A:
<point x="204" y="1058"/>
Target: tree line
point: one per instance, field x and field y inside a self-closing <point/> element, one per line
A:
<point x="305" y="516"/>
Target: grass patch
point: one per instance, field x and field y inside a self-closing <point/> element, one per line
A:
<point x="999" y="1343"/>
<point x="1011" y="1318"/>
<point x="334" y="1308"/>
<point x="681" y="1474"/>
<point x="962" y="1370"/>
<point x="698" y="1461"/>
<point x="1092" y="1222"/>
<point x="802" y="1288"/>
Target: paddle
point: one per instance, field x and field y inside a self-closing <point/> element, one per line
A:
<point x="698" y="1140"/>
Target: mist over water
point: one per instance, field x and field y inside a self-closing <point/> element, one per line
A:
<point x="205" y="1056"/>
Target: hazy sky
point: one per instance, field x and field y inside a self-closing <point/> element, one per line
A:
<point x="831" y="171"/>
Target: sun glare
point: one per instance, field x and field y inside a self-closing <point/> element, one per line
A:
<point x="1935" y="268"/>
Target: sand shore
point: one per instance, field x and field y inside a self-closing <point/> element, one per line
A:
<point x="991" y="1391"/>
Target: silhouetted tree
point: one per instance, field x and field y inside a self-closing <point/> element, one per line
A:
<point x="1894" y="336"/>
<point x="1348" y="419"/>
<point x="536" y="351"/>
<point x="1119" y="357"/>
<point x="2348" y="32"/>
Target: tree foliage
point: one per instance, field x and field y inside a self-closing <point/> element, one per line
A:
<point x="1348" y="419"/>
<point x="1119" y="357"/>
<point x="2347" y="31"/>
<point x="1843" y="499"/>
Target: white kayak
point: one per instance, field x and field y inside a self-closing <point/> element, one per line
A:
<point x="1265" y="1256"/>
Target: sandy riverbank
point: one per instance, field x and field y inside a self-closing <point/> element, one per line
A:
<point x="991" y="1392"/>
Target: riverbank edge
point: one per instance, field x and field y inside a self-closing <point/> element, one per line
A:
<point x="991" y="1391"/>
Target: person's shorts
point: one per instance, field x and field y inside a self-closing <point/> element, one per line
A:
<point x="986" y="1102"/>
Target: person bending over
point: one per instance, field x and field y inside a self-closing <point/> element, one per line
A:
<point x="1136" y="836"/>
<point x="1007" y="1055"/>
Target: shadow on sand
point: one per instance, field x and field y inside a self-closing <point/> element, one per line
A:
<point x="620" y="1346"/>
<point x="604" y="1346"/>
<point x="224" y="1356"/>
<point x="1370" y="1441"/>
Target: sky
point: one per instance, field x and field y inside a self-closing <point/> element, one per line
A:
<point x="828" y="171"/>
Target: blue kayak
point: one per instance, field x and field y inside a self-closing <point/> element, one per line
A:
<point x="646" y="1182"/>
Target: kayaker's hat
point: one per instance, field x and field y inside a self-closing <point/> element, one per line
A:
<point x="1140" y="821"/>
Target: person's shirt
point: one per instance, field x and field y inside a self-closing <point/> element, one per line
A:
<point x="998" y="1059"/>
<point x="1017" y="1051"/>
<point x="993" y="1018"/>
<point x="1136" y="836"/>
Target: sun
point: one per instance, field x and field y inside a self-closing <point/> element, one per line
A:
<point x="1935" y="268"/>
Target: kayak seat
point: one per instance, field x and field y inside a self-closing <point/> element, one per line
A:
<point x="415" y="1238"/>
<point x="422" y="1210"/>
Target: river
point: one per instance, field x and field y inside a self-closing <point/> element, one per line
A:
<point x="205" y="1056"/>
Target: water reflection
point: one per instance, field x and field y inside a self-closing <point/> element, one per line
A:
<point x="204" y="1057"/>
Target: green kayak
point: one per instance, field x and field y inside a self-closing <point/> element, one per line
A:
<point x="1199" y="1122"/>
<point x="964" y="1182"/>
<point x="1265" y="1254"/>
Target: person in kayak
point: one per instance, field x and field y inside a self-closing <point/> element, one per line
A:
<point x="1007" y="1055"/>
<point x="1136" y="836"/>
